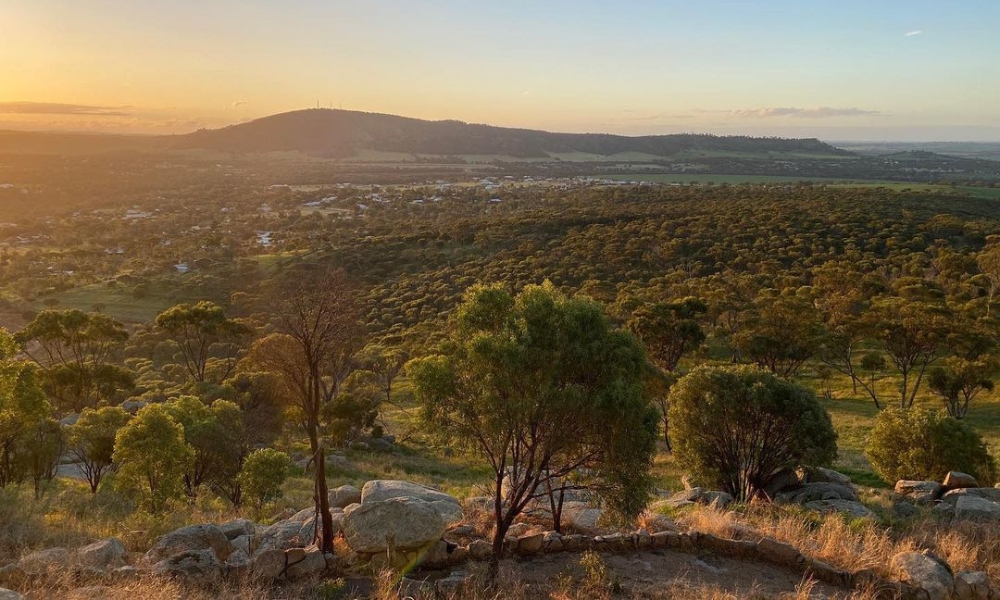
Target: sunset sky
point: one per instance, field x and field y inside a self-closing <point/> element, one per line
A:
<point x="871" y="70"/>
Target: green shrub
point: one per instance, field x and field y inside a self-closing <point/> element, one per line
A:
<point x="926" y="444"/>
<point x="153" y="458"/>
<point x="263" y="475"/>
<point x="735" y="428"/>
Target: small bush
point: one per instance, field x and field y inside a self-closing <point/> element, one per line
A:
<point x="926" y="444"/>
<point x="736" y="427"/>
<point x="263" y="475"/>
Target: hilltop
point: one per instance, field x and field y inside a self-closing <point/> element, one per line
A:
<point x="342" y="133"/>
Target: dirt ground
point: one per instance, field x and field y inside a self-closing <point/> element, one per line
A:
<point x="667" y="574"/>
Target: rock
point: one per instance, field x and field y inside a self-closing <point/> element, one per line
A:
<point x="785" y="480"/>
<point x="201" y="566"/>
<point x="384" y="489"/>
<point x="451" y="512"/>
<point x="849" y="507"/>
<point x="437" y="555"/>
<point x="344" y="496"/>
<point x="923" y="572"/>
<point x="973" y="508"/>
<point x="282" y="535"/>
<point x="904" y="509"/>
<point x="400" y="523"/>
<point x="779" y="553"/>
<point x="462" y="531"/>
<point x="126" y="573"/>
<point x="701" y="496"/>
<point x="582" y="518"/>
<point x="243" y="543"/>
<point x="102" y="555"/>
<point x="972" y="586"/>
<point x="303" y="515"/>
<point x="447" y="506"/>
<point x="41" y="562"/>
<point x="530" y="544"/>
<point x="955" y="480"/>
<point x="480" y="550"/>
<point x="811" y="492"/>
<point x="518" y="529"/>
<point x="236" y="528"/>
<point x="822" y="475"/>
<point x="239" y="562"/>
<point x="553" y="542"/>
<point x="268" y="564"/>
<point x="943" y="510"/>
<point x="189" y="540"/>
<point x="991" y="494"/>
<point x="921" y="492"/>
<point x="302" y="563"/>
<point x="6" y="594"/>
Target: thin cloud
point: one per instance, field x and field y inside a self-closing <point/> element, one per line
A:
<point x="913" y="33"/>
<point x="53" y="108"/>
<point x="822" y="112"/>
<point x="239" y="103"/>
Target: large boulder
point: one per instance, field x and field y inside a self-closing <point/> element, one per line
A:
<point x="344" y="496"/>
<point x="401" y="523"/>
<point x="973" y="508"/>
<point x="582" y="518"/>
<point x="991" y="494"/>
<point x="201" y="567"/>
<point x="955" y="480"/>
<point x="6" y="594"/>
<point x="102" y="555"/>
<point x="304" y="562"/>
<point x="447" y="506"/>
<point x="237" y="528"/>
<point x="921" y="492"/>
<point x="189" y="539"/>
<point x="923" y="572"/>
<point x="822" y="475"/>
<point x="811" y="492"/>
<point x="282" y="535"/>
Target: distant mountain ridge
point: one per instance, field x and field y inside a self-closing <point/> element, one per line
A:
<point x="341" y="133"/>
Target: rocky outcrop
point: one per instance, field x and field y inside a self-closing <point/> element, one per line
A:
<point x="973" y="508"/>
<point x="191" y="539"/>
<point x="923" y="572"/>
<point x="920" y="492"/>
<point x="201" y="567"/>
<point x="991" y="494"/>
<point x="399" y="523"/>
<point x="696" y="495"/>
<point x="102" y="555"/>
<point x="448" y="507"/>
<point x="344" y="496"/>
<point x="811" y="492"/>
<point x="6" y="594"/>
<point x="955" y="480"/>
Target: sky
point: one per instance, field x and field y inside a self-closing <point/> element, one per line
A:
<point x="890" y="70"/>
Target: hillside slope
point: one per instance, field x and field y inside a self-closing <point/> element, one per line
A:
<point x="340" y="133"/>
